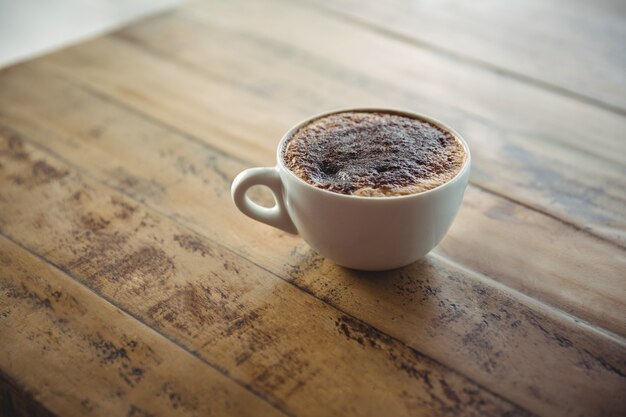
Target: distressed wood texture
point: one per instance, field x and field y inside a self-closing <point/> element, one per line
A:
<point x="85" y="356"/>
<point x="130" y="285"/>
<point x="573" y="171"/>
<point x="145" y="94"/>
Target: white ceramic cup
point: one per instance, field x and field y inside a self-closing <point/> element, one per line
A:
<point x="367" y="233"/>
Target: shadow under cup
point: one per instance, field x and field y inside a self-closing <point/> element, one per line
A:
<point x="366" y="233"/>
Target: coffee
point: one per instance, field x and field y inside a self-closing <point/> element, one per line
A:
<point x="373" y="154"/>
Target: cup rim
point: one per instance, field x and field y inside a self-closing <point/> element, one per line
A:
<point x="465" y="167"/>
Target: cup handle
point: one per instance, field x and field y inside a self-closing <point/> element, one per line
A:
<point x="276" y="216"/>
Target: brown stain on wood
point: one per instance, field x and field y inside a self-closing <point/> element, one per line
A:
<point x="94" y="223"/>
<point x="136" y="411"/>
<point x="136" y="186"/>
<point x="172" y="392"/>
<point x="40" y="172"/>
<point x="197" y="307"/>
<point x="24" y="293"/>
<point x="14" y="145"/>
<point x="125" y="210"/>
<point x="105" y="251"/>
<point x="278" y="374"/>
<point x="141" y="270"/>
<point x="193" y="244"/>
<point x="111" y="354"/>
<point x="44" y="172"/>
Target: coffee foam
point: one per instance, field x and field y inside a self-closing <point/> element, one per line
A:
<point x="373" y="154"/>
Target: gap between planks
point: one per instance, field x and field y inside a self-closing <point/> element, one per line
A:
<point x="248" y="387"/>
<point x="264" y="268"/>
<point x="528" y="300"/>
<point x="556" y="310"/>
<point x="110" y="301"/>
<point x="156" y="210"/>
<point x="186" y="15"/>
<point x="581" y="224"/>
<point x="208" y="146"/>
<point x="188" y="66"/>
<point x="192" y="138"/>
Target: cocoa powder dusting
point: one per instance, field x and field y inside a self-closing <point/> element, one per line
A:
<point x="373" y="154"/>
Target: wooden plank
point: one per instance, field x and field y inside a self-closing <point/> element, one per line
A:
<point x="77" y="355"/>
<point x="563" y="259"/>
<point x="577" y="49"/>
<point x="506" y="342"/>
<point x="545" y="174"/>
<point x="326" y="46"/>
<point x="282" y="343"/>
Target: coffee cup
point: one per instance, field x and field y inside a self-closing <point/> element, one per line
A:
<point x="358" y="232"/>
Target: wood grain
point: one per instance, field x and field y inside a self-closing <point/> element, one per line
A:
<point x="226" y="310"/>
<point x="87" y="357"/>
<point x="328" y="47"/>
<point x="576" y="50"/>
<point x="562" y="258"/>
<point x="533" y="168"/>
<point x="131" y="286"/>
<point x="490" y="336"/>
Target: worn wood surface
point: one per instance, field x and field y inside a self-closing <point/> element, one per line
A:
<point x="130" y="285"/>
<point x="94" y="359"/>
<point x="576" y="49"/>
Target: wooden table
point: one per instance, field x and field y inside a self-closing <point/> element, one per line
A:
<point x="131" y="286"/>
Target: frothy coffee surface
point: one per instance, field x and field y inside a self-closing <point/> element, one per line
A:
<point x="373" y="154"/>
